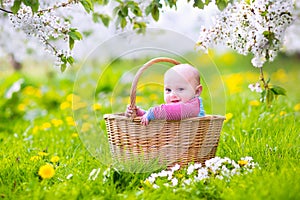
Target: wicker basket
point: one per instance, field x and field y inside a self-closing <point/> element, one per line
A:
<point x="164" y="142"/>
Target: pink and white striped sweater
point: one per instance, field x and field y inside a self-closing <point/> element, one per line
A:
<point x="175" y="111"/>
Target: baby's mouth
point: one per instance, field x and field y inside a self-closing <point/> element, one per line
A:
<point x="175" y="101"/>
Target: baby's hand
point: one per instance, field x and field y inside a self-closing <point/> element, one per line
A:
<point x="128" y="111"/>
<point x="144" y="120"/>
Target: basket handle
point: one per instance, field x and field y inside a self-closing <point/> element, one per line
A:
<point x="137" y="76"/>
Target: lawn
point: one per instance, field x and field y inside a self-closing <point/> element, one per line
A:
<point x="46" y="155"/>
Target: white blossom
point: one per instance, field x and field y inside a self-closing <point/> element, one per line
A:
<point x="175" y="168"/>
<point x="94" y="174"/>
<point x="219" y="168"/>
<point x="257" y="27"/>
<point x="255" y="87"/>
<point x="174" y="181"/>
<point x="16" y="86"/>
<point x="69" y="176"/>
<point x="202" y="174"/>
<point x="190" y="169"/>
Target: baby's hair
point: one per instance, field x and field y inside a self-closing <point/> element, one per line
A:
<point x="184" y="67"/>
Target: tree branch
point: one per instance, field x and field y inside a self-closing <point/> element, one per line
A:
<point x="7" y="11"/>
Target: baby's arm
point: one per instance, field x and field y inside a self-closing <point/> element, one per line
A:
<point x="176" y="111"/>
<point x="149" y="115"/>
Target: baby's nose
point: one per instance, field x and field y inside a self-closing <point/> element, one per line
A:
<point x="173" y="93"/>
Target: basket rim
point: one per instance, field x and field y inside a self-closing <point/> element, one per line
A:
<point x="121" y="116"/>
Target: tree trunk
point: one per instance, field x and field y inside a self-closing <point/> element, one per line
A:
<point x="15" y="64"/>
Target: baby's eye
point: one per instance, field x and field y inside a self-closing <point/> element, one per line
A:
<point x="180" y="89"/>
<point x="168" y="90"/>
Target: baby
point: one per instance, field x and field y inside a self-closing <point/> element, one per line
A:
<point x="182" y="89"/>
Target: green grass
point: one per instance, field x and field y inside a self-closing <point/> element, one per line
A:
<point x="268" y="134"/>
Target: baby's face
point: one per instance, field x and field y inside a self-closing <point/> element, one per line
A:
<point x="179" y="88"/>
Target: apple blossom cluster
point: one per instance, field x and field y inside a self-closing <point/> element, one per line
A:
<point x="257" y="27"/>
<point x="220" y="168"/>
<point x="47" y="27"/>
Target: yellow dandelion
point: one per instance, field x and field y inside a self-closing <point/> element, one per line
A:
<point x="46" y="171"/>
<point x="74" y="135"/>
<point x="242" y="162"/>
<point x="297" y="107"/>
<point x="282" y="113"/>
<point x="35" y="158"/>
<point x="139" y="99"/>
<point x="73" y="97"/>
<point x="56" y="122"/>
<point x="85" y="116"/>
<point x="96" y="106"/>
<point x="64" y="105"/>
<point x="54" y="159"/>
<point x="38" y="93"/>
<point x="79" y="105"/>
<point x="153" y="97"/>
<point x="35" y="129"/>
<point x="45" y="126"/>
<point x="228" y="58"/>
<point x="42" y="153"/>
<point x="205" y="59"/>
<point x="147" y="183"/>
<point x="85" y="127"/>
<point x="70" y="121"/>
<point x="70" y="97"/>
<point x="280" y="75"/>
<point x="254" y="103"/>
<point x="228" y="117"/>
<point x="29" y="90"/>
<point x="21" y="107"/>
<point x="234" y="82"/>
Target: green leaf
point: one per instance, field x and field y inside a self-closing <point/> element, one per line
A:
<point x="135" y="9"/>
<point x="16" y="6"/>
<point x="88" y="5"/>
<point x="222" y="4"/>
<point x="277" y="90"/>
<point x="63" y="67"/>
<point x="263" y="96"/>
<point x="198" y="4"/>
<point x="70" y="60"/>
<point x="71" y="43"/>
<point x="148" y="9"/>
<point x="140" y="27"/>
<point x="74" y="34"/>
<point x="101" y="2"/>
<point x="172" y="3"/>
<point x="123" y="22"/>
<point x="270" y="36"/>
<point x="155" y="13"/>
<point x="269" y="96"/>
<point x="33" y="4"/>
<point x="124" y="10"/>
<point x="264" y="13"/>
<point x="103" y="17"/>
<point x="96" y="17"/>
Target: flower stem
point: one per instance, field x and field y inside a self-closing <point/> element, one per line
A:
<point x="262" y="78"/>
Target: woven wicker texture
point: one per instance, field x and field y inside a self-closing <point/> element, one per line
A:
<point x="167" y="142"/>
